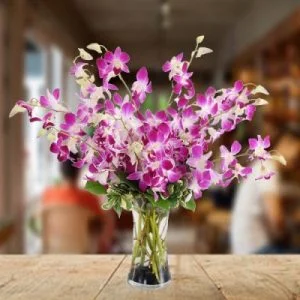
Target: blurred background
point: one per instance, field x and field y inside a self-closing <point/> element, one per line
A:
<point x="253" y="40"/>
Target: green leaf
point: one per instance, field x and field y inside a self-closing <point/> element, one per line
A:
<point x="95" y="188"/>
<point x="173" y="201"/>
<point x="107" y="205"/>
<point x="164" y="204"/>
<point x="118" y="209"/>
<point x="126" y="202"/>
<point x="190" y="205"/>
<point x="90" y="130"/>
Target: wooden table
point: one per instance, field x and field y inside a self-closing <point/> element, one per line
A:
<point x="194" y="277"/>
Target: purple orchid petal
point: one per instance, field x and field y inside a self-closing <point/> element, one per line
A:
<point x="142" y="186"/>
<point x="117" y="99"/>
<point x="167" y="164"/>
<point x="266" y="142"/>
<point x="166" y="66"/>
<point x="246" y="171"/>
<point x="149" y="88"/>
<point x="228" y="174"/>
<point x="201" y="100"/>
<point x="93" y="169"/>
<point x="79" y="163"/>
<point x="164" y="129"/>
<point x="124" y="57"/>
<point x="197" y="151"/>
<point x="109" y="56"/>
<point x="174" y="176"/>
<point x="142" y="75"/>
<point x="44" y="101"/>
<point x="109" y="107"/>
<point x="177" y="88"/>
<point x="127" y="109"/>
<point x="134" y="176"/>
<point x="179" y="56"/>
<point x="227" y="125"/>
<point x="152" y="136"/>
<point x="35" y="119"/>
<point x="56" y="94"/>
<point x="238" y="86"/>
<point x="250" y="110"/>
<point x="210" y="91"/>
<point x="161" y="115"/>
<point x="70" y="119"/>
<point x="252" y="143"/>
<point x="236" y="147"/>
<point x="54" y="148"/>
<point x="182" y="102"/>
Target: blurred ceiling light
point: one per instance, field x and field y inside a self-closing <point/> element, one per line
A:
<point x="165" y="10"/>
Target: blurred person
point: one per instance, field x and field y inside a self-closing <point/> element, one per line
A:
<point x="93" y="228"/>
<point x="258" y="218"/>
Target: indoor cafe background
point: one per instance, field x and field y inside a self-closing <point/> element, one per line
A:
<point x="255" y="40"/>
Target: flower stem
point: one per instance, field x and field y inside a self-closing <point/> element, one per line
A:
<point x="125" y="85"/>
<point x="149" y="248"/>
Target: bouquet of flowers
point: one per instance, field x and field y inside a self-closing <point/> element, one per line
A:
<point x="154" y="161"/>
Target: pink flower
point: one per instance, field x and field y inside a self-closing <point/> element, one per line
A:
<point x="77" y="69"/>
<point x="200" y="182"/>
<point x="60" y="148"/>
<point x="142" y="86"/>
<point x="174" y="66"/>
<point x="228" y="157"/>
<point x="117" y="60"/>
<point x="51" y="100"/>
<point x="154" y="149"/>
<point x="259" y="146"/>
<point x="182" y="80"/>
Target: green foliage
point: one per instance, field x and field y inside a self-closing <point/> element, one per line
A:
<point x="90" y="130"/>
<point x="126" y="194"/>
<point x="120" y="196"/>
<point x="163" y="204"/>
<point x="95" y="188"/>
<point x="190" y="205"/>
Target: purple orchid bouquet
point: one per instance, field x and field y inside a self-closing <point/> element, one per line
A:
<point x="149" y="162"/>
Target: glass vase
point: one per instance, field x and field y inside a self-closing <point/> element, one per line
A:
<point x="149" y="267"/>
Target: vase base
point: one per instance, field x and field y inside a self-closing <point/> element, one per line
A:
<point x="142" y="277"/>
<point x="148" y="286"/>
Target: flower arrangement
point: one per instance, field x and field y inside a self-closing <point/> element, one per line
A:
<point x="149" y="161"/>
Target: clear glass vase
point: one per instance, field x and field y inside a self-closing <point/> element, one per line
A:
<point x="149" y="267"/>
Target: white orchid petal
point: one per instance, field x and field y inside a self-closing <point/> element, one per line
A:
<point x="260" y="101"/>
<point x="16" y="109"/>
<point x="42" y="132"/>
<point x="199" y="39"/>
<point x="203" y="51"/>
<point x="94" y="46"/>
<point x="59" y="107"/>
<point x="34" y="101"/>
<point x="279" y="158"/>
<point x="84" y="55"/>
<point x="51" y="136"/>
<point x="260" y="90"/>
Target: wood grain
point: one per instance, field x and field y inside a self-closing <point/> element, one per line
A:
<point x="194" y="277"/>
<point x="189" y="281"/>
<point x="55" y="276"/>
<point x="254" y="277"/>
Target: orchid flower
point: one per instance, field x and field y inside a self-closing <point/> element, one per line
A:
<point x="142" y="86"/>
<point x="150" y="152"/>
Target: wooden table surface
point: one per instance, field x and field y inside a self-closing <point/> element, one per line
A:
<point x="194" y="277"/>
